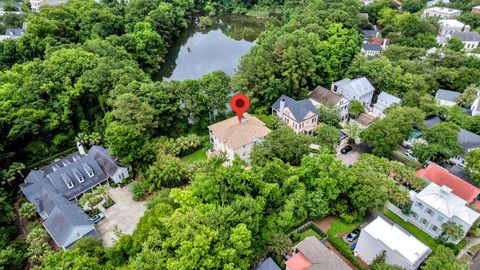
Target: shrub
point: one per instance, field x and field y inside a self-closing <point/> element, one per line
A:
<point x="27" y="210"/>
<point x="109" y="202"/>
<point x="137" y="190"/>
<point x="344" y="249"/>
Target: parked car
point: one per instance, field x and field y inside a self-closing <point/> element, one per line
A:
<point x="346" y="149"/>
<point x="97" y="218"/>
<point x="353" y="235"/>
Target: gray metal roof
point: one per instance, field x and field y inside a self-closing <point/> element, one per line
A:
<point x="389" y="99"/>
<point x="372" y="47"/>
<point x="78" y="176"/>
<point x="370" y="33"/>
<point x="430" y="122"/>
<point x="320" y="256"/>
<point x="267" y="264"/>
<point x="15" y="32"/>
<point x="62" y="221"/>
<point x="448" y="95"/>
<point x="48" y="189"/>
<point x="299" y="109"/>
<point x="359" y="86"/>
<point x="466" y="36"/>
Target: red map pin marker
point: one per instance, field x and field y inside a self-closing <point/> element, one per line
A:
<point x="239" y="104"/>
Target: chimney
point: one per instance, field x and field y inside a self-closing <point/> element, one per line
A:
<point x="81" y="150"/>
<point x="445" y="190"/>
<point x="282" y="107"/>
<point x="384" y="43"/>
<point x="244" y="120"/>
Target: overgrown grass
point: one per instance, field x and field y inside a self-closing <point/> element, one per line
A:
<point x="414" y="230"/>
<point x="198" y="155"/>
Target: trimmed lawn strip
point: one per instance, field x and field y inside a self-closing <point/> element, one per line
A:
<point x="198" y="155"/>
<point x="411" y="228"/>
<point x="308" y="233"/>
<point x="338" y="227"/>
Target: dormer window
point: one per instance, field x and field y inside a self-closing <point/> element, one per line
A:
<point x="88" y="169"/>
<point x="78" y="175"/>
<point x="67" y="180"/>
<point x="55" y="167"/>
<point x="65" y="162"/>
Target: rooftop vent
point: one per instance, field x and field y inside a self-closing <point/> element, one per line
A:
<point x="88" y="169"/>
<point x="55" y="167"/>
<point x="445" y="190"/>
<point x="75" y="157"/>
<point x="65" y="162"/>
<point x="78" y="175"/>
<point x="67" y="180"/>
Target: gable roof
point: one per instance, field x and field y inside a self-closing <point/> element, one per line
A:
<point x="442" y="177"/>
<point x="267" y="264"/>
<point x="444" y="201"/>
<point x="299" y="109"/>
<point x="468" y="140"/>
<point x="359" y="86"/>
<point x="447" y="95"/>
<point x="396" y="239"/>
<point x="325" y="96"/>
<point x="389" y="99"/>
<point x="298" y="262"/>
<point x="370" y="33"/>
<point x="365" y="119"/>
<point x="62" y="221"/>
<point x="320" y="256"/>
<point x="236" y="134"/>
<point x="466" y="36"/>
<point x="430" y="122"/>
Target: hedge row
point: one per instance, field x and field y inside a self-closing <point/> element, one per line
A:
<point x="345" y="250"/>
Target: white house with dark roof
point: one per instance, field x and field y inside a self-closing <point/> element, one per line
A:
<point x="446" y="97"/>
<point x="436" y="205"/>
<point x="54" y="188"/>
<point x="384" y="101"/>
<point x="357" y="89"/>
<point x="324" y="97"/>
<point x="301" y="116"/>
<point x="442" y="12"/>
<point x="401" y="248"/>
<point x="14" y="33"/>
<point x="371" y="49"/>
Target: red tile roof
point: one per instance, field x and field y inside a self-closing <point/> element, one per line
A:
<point x="298" y="262"/>
<point x="443" y="177"/>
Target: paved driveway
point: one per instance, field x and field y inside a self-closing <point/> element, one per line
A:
<point x="121" y="217"/>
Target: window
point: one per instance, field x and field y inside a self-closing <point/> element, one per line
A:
<point x="424" y="222"/>
<point x="429" y="211"/>
<point x="440" y="218"/>
<point x="420" y="205"/>
<point x="414" y="215"/>
<point x="434" y="228"/>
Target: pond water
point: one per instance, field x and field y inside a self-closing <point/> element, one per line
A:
<point x="219" y="47"/>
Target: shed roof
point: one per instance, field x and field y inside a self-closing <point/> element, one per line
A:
<point x="267" y="264"/>
<point x="320" y="257"/>
<point x="447" y="95"/>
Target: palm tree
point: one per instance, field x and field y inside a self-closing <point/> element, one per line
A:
<point x="452" y="231"/>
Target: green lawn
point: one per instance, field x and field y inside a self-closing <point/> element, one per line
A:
<point x="308" y="233"/>
<point x="338" y="227"/>
<point x="409" y="227"/>
<point x="198" y="155"/>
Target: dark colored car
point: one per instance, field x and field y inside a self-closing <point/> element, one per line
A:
<point x="346" y="149"/>
<point x="353" y="235"/>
